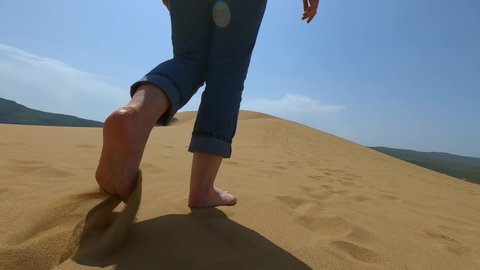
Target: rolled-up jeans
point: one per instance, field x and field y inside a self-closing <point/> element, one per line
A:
<point x="212" y="44"/>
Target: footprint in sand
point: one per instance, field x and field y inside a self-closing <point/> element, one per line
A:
<point x="280" y="167"/>
<point x="359" y="253"/>
<point x="451" y="244"/>
<point x="292" y="202"/>
<point x="325" y="227"/>
<point x="317" y="193"/>
<point x="38" y="168"/>
<point x="309" y="215"/>
<point x="361" y="235"/>
<point x="316" y="177"/>
<point x="293" y="163"/>
<point x="51" y="172"/>
<point x="390" y="197"/>
<point x="321" y="178"/>
<point x="361" y="198"/>
<point x="151" y="168"/>
<point x="341" y="191"/>
<point x="323" y="192"/>
<point x="3" y="190"/>
<point x="19" y="166"/>
<point x="347" y="182"/>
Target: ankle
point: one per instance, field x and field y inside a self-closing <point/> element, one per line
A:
<point x="201" y="192"/>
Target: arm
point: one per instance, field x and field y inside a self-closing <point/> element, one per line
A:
<point x="165" y="2"/>
<point x="309" y="10"/>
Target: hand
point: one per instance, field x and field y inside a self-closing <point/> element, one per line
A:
<point x="165" y="2"/>
<point x="309" y="9"/>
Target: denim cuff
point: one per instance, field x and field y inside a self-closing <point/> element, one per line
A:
<point x="170" y="89"/>
<point x="210" y="146"/>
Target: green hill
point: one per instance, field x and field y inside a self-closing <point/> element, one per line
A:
<point x="465" y="168"/>
<point x="14" y="113"/>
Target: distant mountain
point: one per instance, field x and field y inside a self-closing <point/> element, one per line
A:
<point x="14" y="113"/>
<point x="466" y="168"/>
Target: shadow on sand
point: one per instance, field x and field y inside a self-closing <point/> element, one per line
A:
<point x="203" y="239"/>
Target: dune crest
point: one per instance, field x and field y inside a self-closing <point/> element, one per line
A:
<point x="306" y="200"/>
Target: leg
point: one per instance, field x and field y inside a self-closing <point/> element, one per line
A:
<point x="125" y="134"/>
<point x="202" y="191"/>
<point x="217" y="117"/>
<point x="126" y="131"/>
<point x="181" y="76"/>
<point x="228" y="62"/>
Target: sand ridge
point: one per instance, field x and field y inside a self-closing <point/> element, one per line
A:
<point x="307" y="200"/>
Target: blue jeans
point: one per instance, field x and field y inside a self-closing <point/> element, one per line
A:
<point x="212" y="44"/>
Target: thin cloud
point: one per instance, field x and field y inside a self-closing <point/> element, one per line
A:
<point x="297" y="108"/>
<point x="292" y="105"/>
<point x="51" y="85"/>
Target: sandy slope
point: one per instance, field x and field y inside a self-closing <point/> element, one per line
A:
<point x="306" y="200"/>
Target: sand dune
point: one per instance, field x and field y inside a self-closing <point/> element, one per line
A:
<point x="307" y="200"/>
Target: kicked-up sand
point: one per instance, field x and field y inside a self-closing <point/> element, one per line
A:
<point x="306" y="200"/>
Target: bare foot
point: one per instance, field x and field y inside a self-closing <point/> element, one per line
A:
<point x="214" y="197"/>
<point x="123" y="146"/>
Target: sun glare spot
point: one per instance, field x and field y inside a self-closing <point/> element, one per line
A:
<point x="221" y="14"/>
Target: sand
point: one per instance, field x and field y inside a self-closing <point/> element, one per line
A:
<point x="306" y="200"/>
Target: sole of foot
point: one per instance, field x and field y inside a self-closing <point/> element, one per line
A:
<point x="121" y="153"/>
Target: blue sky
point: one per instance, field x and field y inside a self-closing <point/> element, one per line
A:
<point x="397" y="73"/>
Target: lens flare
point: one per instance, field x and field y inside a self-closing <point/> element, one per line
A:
<point x="221" y="14"/>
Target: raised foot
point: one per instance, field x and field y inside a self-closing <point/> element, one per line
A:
<point x="212" y="198"/>
<point x="121" y="153"/>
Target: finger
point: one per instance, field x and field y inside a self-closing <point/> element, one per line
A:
<point x="311" y="17"/>
<point x="309" y="14"/>
<point x="306" y="14"/>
